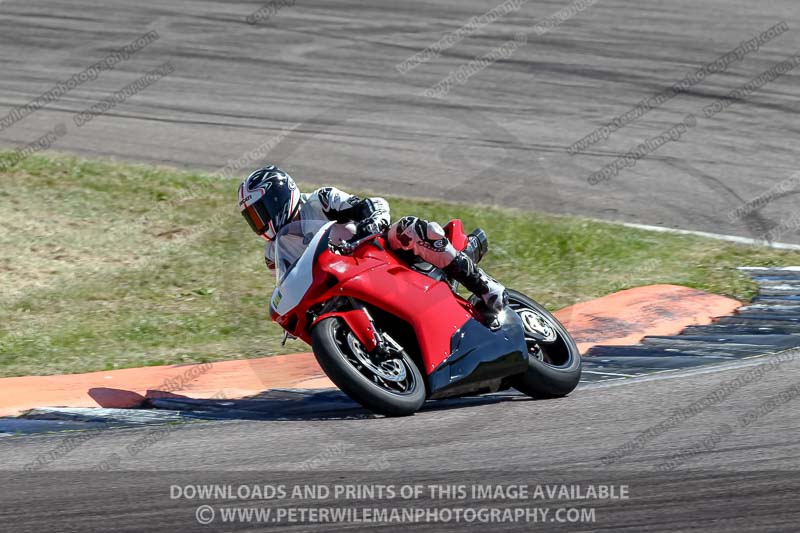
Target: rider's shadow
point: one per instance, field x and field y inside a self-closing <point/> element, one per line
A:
<point x="301" y="405"/>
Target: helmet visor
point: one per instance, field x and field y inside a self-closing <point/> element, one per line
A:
<point x="257" y="217"/>
<point x="273" y="209"/>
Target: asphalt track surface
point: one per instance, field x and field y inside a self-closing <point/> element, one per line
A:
<point x="326" y="72"/>
<point x="315" y="88"/>
<point x="746" y="480"/>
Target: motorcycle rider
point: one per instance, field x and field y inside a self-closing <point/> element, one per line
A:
<point x="269" y="199"/>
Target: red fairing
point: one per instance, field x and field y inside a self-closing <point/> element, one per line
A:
<point x="375" y="276"/>
<point x="428" y="305"/>
<point x="455" y="232"/>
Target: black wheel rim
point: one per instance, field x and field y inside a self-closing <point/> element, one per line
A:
<point x="392" y="374"/>
<point x="553" y="350"/>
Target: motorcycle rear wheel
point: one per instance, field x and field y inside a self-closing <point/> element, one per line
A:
<point x="554" y="364"/>
<point x="392" y="387"/>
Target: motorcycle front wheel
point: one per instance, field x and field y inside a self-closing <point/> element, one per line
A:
<point x="391" y="386"/>
<point x="554" y="362"/>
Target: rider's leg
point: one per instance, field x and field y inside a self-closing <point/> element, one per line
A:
<point x="464" y="270"/>
<point x="427" y="240"/>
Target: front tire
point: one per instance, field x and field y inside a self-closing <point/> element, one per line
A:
<point x="393" y="387"/>
<point x="554" y="364"/>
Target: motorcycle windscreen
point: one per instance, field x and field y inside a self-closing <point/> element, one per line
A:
<point x="296" y="248"/>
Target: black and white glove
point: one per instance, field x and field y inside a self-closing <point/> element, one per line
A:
<point x="369" y="227"/>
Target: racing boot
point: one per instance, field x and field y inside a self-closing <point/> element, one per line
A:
<point x="493" y="295"/>
<point x="477" y="245"/>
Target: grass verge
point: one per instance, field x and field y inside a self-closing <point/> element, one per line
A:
<point x="106" y="265"/>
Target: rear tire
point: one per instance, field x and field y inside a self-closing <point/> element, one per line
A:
<point x="338" y="357"/>
<point x="554" y="367"/>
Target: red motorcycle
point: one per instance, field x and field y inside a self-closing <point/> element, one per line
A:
<point x="392" y="333"/>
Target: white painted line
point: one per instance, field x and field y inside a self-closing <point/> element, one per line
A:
<point x="787" y="268"/>
<point x="761" y="307"/>
<point x="608" y="374"/>
<point x="718" y="236"/>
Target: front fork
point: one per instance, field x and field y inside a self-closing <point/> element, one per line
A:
<point x="360" y="322"/>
